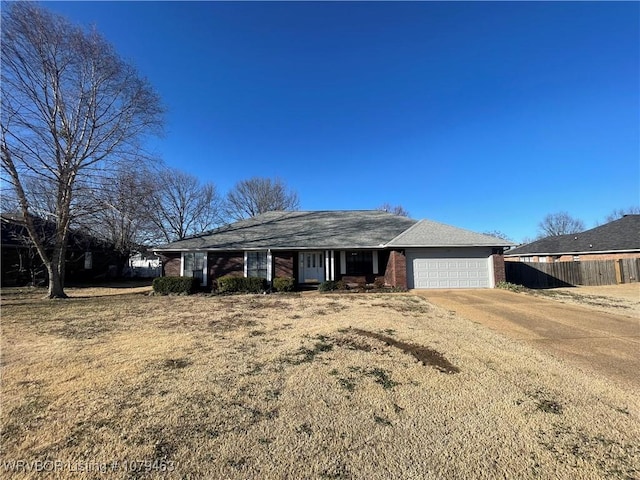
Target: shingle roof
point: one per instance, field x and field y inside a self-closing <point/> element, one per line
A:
<point x="301" y="230"/>
<point x="427" y="233"/>
<point x="617" y="236"/>
<point x="338" y="229"/>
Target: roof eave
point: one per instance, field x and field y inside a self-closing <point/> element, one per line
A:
<point x="586" y="252"/>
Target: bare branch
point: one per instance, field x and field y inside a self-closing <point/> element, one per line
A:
<point x="259" y="195"/>
<point x="71" y="108"/>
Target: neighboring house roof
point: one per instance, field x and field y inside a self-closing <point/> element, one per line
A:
<point x="622" y="235"/>
<point x="427" y="233"/>
<point x="341" y="229"/>
<point x="13" y="233"/>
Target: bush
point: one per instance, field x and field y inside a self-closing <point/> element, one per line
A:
<point x="241" y="284"/>
<point x="175" y="285"/>
<point x="512" y="287"/>
<point x="331" y="285"/>
<point x="283" y="284"/>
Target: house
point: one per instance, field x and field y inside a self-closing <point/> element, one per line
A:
<point x="615" y="240"/>
<point x="353" y="246"/>
<point x="87" y="258"/>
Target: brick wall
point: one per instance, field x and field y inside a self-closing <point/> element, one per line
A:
<point x="396" y="272"/>
<point x="599" y="256"/>
<point x="498" y="268"/>
<point x="283" y="264"/>
<point x="225" y="263"/>
<point x="171" y="264"/>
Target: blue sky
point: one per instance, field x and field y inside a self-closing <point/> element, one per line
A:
<point x="483" y="115"/>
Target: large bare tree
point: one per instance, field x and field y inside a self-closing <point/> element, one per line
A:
<point x="182" y="205"/>
<point x="258" y="195"/>
<point x="560" y="223"/>
<point x="71" y="110"/>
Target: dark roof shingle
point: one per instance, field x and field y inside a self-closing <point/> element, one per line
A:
<point x="620" y="235"/>
<point x="301" y="230"/>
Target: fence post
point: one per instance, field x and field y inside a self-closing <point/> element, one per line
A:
<point x="618" y="267"/>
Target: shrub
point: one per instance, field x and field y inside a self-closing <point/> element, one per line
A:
<point x="331" y="285"/>
<point x="512" y="287"/>
<point x="174" y="285"/>
<point x="241" y="284"/>
<point x="327" y="286"/>
<point x="283" y="284"/>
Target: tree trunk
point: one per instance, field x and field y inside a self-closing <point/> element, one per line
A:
<point x="56" y="274"/>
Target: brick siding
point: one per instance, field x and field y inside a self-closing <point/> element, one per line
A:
<point x="499" y="274"/>
<point x="396" y="271"/>
<point x="283" y="264"/>
<point x="171" y="263"/>
<point x="225" y="263"/>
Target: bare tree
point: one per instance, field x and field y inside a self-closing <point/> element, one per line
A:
<point x="259" y="195"/>
<point x="121" y="210"/>
<point x="560" y="223"/>
<point x="498" y="234"/>
<point x="621" y="212"/>
<point x="394" y="209"/>
<point x="182" y="205"/>
<point x="71" y="108"/>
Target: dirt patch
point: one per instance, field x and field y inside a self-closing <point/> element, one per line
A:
<point x="603" y="342"/>
<point x="426" y="355"/>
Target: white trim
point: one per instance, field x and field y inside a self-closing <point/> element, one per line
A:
<point x="205" y="269"/>
<point x="374" y="259"/>
<point x="182" y="263"/>
<point x="269" y="266"/>
<point x="333" y="265"/>
<point x="492" y="272"/>
<point x="327" y="268"/>
<point x="246" y="264"/>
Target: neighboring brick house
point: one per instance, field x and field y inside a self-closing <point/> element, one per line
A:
<point x="88" y="258"/>
<point x="615" y="240"/>
<point x="354" y="246"/>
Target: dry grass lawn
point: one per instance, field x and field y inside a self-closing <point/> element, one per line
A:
<point x="294" y="386"/>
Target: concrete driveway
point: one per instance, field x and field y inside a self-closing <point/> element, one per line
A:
<point x="606" y="343"/>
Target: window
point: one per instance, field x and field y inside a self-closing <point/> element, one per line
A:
<point x="257" y="264"/>
<point x="359" y="263"/>
<point x="88" y="261"/>
<point x="194" y="265"/>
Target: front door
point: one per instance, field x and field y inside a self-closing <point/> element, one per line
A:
<point x="311" y="267"/>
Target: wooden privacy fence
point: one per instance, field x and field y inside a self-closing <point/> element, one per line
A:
<point x="565" y="274"/>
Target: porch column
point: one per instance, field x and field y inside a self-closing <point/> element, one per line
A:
<point x="332" y="266"/>
<point x="327" y="266"/>
<point x="269" y="266"/>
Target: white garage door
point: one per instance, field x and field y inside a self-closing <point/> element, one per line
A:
<point x="449" y="268"/>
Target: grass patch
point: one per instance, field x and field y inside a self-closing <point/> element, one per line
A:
<point x="230" y="387"/>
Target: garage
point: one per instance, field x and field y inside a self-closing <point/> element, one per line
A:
<point x="449" y="268"/>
